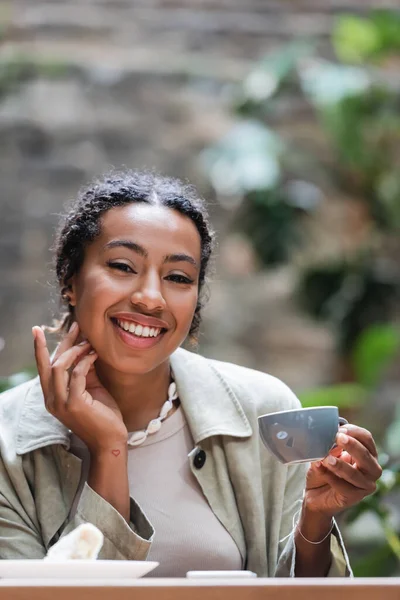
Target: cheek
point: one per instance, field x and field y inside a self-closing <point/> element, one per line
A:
<point x="184" y="308"/>
<point x="95" y="293"/>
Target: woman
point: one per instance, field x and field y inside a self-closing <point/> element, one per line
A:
<point x="174" y="475"/>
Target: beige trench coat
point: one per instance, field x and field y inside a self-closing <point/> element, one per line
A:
<point x="43" y="496"/>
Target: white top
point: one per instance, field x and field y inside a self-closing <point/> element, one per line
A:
<point x="188" y="535"/>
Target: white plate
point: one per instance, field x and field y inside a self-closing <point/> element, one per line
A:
<point x="75" y="569"/>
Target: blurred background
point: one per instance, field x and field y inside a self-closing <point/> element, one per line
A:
<point x="286" y="116"/>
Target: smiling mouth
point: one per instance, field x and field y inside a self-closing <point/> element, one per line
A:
<point x="137" y="330"/>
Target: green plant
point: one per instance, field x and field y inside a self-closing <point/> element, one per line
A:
<point x="351" y="295"/>
<point x="275" y="180"/>
<point x="375" y="350"/>
<point x="281" y="181"/>
<point x="359" y="39"/>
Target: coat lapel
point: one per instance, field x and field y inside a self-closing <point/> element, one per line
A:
<point x="210" y="405"/>
<point x="36" y="427"/>
<point x="212" y="410"/>
<point x="215" y="416"/>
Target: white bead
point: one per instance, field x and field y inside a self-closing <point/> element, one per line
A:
<point x="137" y="438"/>
<point x="172" y="394"/>
<point x="154" y="426"/>
<point x="167" y="406"/>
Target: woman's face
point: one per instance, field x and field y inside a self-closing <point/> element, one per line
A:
<point x="136" y="292"/>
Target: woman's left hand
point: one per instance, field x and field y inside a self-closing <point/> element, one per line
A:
<point x="346" y="475"/>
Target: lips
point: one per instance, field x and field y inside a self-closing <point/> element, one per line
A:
<point x="140" y="319"/>
<point x="138" y="342"/>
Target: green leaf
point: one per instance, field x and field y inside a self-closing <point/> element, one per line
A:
<point x="273" y="70"/>
<point x="387" y="24"/>
<point x="374" y="350"/>
<point x="346" y="395"/>
<point x="326" y="83"/>
<point x="381" y="562"/>
<point x="271" y="224"/>
<point x="392" y="439"/>
<point x="355" y="38"/>
<point x="388" y="185"/>
<point x="247" y="159"/>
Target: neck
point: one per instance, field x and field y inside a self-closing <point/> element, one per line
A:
<point x="139" y="396"/>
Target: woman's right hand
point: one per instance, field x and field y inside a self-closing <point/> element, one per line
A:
<point x="74" y="394"/>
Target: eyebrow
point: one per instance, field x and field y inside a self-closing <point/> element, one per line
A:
<point x="169" y="258"/>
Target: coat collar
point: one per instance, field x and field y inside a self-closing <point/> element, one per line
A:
<point x="210" y="406"/>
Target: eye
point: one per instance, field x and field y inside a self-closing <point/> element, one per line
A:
<point x="179" y="279"/>
<point x="119" y="266"/>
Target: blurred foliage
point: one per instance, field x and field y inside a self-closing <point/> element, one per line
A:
<point x="355" y="109"/>
<point x="18" y="68"/>
<point x="358" y="39"/>
<point x="351" y="150"/>
<point x="342" y="395"/>
<point x="384" y="559"/>
<point x="376" y="350"/>
<point x="351" y="295"/>
<point x="16" y="379"/>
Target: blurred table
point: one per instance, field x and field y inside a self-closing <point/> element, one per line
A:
<point x="207" y="589"/>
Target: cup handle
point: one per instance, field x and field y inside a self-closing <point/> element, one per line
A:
<point x="342" y="421"/>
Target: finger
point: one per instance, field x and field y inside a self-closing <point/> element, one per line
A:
<point x="366" y="462"/>
<point x="340" y="454"/>
<point x="61" y="376"/>
<point x="346" y="457"/>
<point x="349" y="474"/>
<point x="67" y="342"/>
<point x="43" y="362"/>
<point x="346" y="494"/>
<point x="77" y="387"/>
<point x="362" y="435"/>
<point x="336" y="451"/>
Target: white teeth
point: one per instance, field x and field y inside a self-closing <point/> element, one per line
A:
<point x="139" y="330"/>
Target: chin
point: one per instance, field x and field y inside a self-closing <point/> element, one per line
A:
<point x="133" y="365"/>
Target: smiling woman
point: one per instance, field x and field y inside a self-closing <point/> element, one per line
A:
<point x="157" y="446"/>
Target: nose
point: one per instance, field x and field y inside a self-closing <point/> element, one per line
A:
<point x="148" y="293"/>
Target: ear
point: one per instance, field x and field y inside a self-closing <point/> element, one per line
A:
<point x="71" y="291"/>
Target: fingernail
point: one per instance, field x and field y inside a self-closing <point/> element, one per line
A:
<point x="92" y="352"/>
<point x="342" y="430"/>
<point x="83" y="342"/>
<point x="73" y="327"/>
<point x="343" y="439"/>
<point x="34" y="330"/>
<point x="318" y="464"/>
<point x="331" y="460"/>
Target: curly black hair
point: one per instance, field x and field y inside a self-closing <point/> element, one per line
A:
<point x="82" y="224"/>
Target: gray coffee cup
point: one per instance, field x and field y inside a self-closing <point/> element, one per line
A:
<point x="300" y="435"/>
